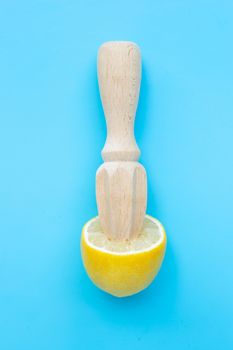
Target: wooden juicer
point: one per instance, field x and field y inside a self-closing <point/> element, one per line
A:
<point x="121" y="183"/>
<point x="123" y="248"/>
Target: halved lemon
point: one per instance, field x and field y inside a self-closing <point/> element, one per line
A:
<point x="123" y="268"/>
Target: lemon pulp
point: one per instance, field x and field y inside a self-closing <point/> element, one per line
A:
<point x="149" y="236"/>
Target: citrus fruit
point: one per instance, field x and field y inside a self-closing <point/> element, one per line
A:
<point x="123" y="268"/>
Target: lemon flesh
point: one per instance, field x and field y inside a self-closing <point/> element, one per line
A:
<point x="126" y="267"/>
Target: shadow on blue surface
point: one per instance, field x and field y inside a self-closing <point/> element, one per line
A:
<point x="143" y="106"/>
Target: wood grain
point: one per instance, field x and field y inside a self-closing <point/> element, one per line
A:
<point x="121" y="182"/>
<point x="119" y="75"/>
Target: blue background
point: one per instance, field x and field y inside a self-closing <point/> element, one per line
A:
<point x="52" y="130"/>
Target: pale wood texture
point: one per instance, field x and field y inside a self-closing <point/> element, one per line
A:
<point x="121" y="198"/>
<point x="121" y="183"/>
<point x="119" y="75"/>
